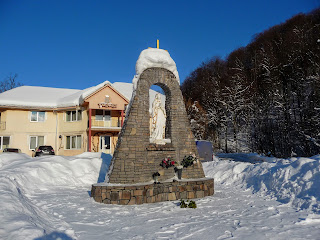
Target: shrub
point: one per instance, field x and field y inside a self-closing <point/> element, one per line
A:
<point x="191" y="204"/>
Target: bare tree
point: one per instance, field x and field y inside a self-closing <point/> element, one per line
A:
<point x="9" y="83"/>
<point x="198" y="119"/>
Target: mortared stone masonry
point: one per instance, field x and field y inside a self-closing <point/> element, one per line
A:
<point x="135" y="159"/>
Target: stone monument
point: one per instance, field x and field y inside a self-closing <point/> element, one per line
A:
<point x="137" y="173"/>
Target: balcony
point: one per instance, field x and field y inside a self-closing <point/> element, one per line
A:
<point x="111" y="125"/>
<point x="2" y="126"/>
<point x="106" y="120"/>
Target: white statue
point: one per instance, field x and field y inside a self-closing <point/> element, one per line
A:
<point x="158" y="121"/>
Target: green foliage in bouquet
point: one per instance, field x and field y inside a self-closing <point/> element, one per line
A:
<point x="189" y="160"/>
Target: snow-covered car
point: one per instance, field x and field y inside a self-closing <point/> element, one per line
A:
<point x="15" y="150"/>
<point x="43" y="150"/>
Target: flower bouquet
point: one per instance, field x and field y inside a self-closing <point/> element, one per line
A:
<point x="189" y="160"/>
<point x="167" y="162"/>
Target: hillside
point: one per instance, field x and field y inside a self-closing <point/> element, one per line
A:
<point x="264" y="97"/>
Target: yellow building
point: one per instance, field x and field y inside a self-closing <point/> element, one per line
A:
<point x="71" y="121"/>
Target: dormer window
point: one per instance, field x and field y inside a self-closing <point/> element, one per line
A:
<point x="37" y="116"/>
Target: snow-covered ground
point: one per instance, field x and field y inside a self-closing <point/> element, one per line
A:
<point x="48" y="198"/>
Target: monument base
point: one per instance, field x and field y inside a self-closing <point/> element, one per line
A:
<point x="159" y="141"/>
<point x="170" y="190"/>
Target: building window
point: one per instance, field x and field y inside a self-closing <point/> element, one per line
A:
<point x="73" y="116"/>
<point x="107" y="99"/>
<point x="103" y="115"/>
<point x="73" y="142"/>
<point x="36" y="141"/>
<point x="38" y="116"/>
<point x="4" y="142"/>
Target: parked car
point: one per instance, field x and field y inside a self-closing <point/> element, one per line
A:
<point x="15" y="150"/>
<point x="43" y="150"/>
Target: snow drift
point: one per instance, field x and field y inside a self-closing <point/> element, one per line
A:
<point x="22" y="176"/>
<point x="52" y="171"/>
<point x="294" y="181"/>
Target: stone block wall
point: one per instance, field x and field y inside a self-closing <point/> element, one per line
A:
<point x="151" y="193"/>
<point x="135" y="159"/>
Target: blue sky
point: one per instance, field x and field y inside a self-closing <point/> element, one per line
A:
<point x="78" y="44"/>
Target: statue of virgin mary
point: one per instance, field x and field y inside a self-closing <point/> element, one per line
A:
<point x="158" y="121"/>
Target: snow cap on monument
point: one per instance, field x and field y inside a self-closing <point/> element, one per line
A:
<point x="154" y="57"/>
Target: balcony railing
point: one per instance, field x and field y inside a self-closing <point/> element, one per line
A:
<point x="105" y="124"/>
<point x="2" y="125"/>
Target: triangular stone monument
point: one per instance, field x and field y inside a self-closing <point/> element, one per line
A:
<point x="138" y="157"/>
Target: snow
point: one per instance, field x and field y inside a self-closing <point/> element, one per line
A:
<point x="154" y="57"/>
<point x="48" y="198"/>
<point x="126" y="90"/>
<point x="30" y="96"/>
<point x="45" y="97"/>
<point x="294" y="181"/>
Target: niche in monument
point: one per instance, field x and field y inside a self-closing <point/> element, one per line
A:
<point x="159" y="116"/>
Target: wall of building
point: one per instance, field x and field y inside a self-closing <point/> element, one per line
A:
<point x="55" y="130"/>
<point x="99" y="97"/>
<point x="20" y="128"/>
<point x="75" y="128"/>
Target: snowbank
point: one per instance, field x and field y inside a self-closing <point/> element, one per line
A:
<point x="294" y="181"/>
<point x="51" y="171"/>
<point x="23" y="176"/>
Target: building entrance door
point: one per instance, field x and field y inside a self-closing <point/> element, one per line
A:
<point x="105" y="144"/>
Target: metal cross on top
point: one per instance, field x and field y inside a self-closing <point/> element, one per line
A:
<point x="158" y="45"/>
